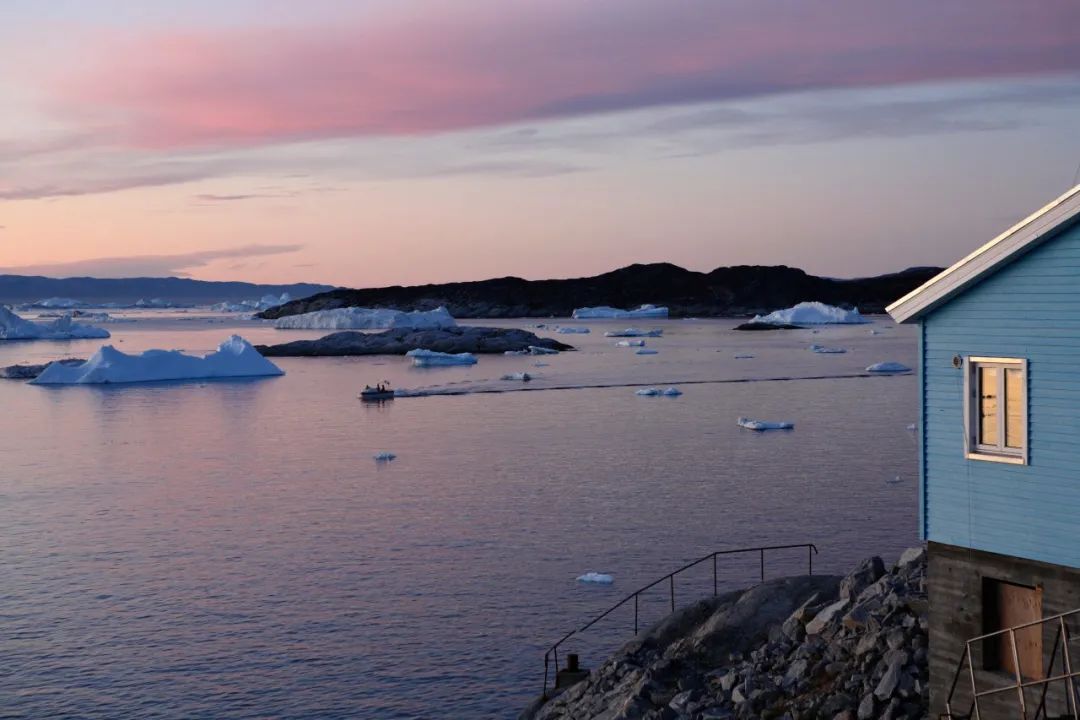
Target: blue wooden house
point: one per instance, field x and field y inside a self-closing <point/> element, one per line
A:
<point x="999" y="456"/>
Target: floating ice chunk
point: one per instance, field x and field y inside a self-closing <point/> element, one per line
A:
<point x="812" y="313"/>
<point x="672" y="392"/>
<point x="596" y="578"/>
<point x="760" y="425"/>
<point x="822" y="350"/>
<point x="571" y="330"/>
<point x="874" y="332"/>
<point x="648" y="392"/>
<point x="634" y="332"/>
<point x="912" y="427"/>
<point x="539" y="364"/>
<point x="744" y="357"/>
<point x="646" y="351"/>
<point x="431" y="358"/>
<point x="888" y="367"/>
<point x="516" y="352"/>
<point x="537" y="350"/>
<point x="522" y="376"/>
<point x="384" y="457"/>
<point x="13" y="327"/>
<point x="894" y="481"/>
<point x="234" y="358"/>
<point x="603" y="311"/>
<point x="60" y="302"/>
<point x="358" y="318"/>
<point x="630" y="343"/>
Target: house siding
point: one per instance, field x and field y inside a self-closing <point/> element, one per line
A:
<point x="1029" y="309"/>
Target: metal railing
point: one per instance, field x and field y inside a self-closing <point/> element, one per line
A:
<point x="811" y="550"/>
<point x="1068" y="676"/>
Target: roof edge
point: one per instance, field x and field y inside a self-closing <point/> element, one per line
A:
<point x="958" y="277"/>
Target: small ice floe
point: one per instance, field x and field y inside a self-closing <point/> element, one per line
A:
<point x="537" y="350"/>
<point x="822" y="350"/>
<point x="596" y="578"/>
<point x="521" y="376"/>
<point x="654" y="392"/>
<point x="384" y="457"/>
<point x="630" y="343"/>
<point x="646" y="351"/>
<point x="744" y="357"/>
<point x="894" y="481"/>
<point x="634" y="332"/>
<point x="540" y="364"/>
<point x="571" y="330"/>
<point x="874" y="332"/>
<point x="604" y="311"/>
<point x="672" y="392"/>
<point x="431" y="358"/>
<point x="516" y="352"/>
<point x="760" y="425"/>
<point x="888" y="367"/>
<point x="912" y="427"/>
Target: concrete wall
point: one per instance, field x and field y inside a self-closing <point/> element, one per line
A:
<point x="955" y="593"/>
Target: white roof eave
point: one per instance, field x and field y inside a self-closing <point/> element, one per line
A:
<point x="1007" y="246"/>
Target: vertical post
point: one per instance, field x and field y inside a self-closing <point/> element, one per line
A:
<point x="971" y="672"/>
<point x="762" y="564"/>
<point x="556" y="661"/>
<point x="672" y="579"/>
<point x="635" y="615"/>
<point x="545" y="675"/>
<point x="810" y="558"/>
<point x="1069" y="685"/>
<point x="714" y="585"/>
<point x="1019" y="677"/>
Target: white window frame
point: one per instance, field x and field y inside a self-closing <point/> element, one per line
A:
<point x="973" y="450"/>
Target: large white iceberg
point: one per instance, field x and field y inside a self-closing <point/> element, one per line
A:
<point x="13" y="327"/>
<point x="234" y="358"/>
<point x="888" y="367"/>
<point x="761" y="425"/>
<point x="634" y="332"/>
<point x="358" y="318"/>
<point x="264" y="303"/>
<point x="431" y="358"/>
<point x="812" y="313"/>
<point x="603" y="311"/>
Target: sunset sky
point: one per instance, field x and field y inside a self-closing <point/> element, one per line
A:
<point x="406" y="141"/>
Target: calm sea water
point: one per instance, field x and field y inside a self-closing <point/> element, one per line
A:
<point x="232" y="550"/>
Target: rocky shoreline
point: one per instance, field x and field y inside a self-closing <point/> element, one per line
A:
<point x="398" y="341"/>
<point x="851" y="648"/>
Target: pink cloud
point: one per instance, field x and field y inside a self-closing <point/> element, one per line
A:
<point x="439" y="66"/>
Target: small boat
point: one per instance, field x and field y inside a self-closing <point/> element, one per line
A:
<point x="381" y="391"/>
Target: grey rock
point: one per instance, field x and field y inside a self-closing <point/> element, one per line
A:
<point x="860" y="578"/>
<point x="866" y="707"/>
<point x="823" y="618"/>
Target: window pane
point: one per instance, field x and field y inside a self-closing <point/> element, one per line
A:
<point x="988" y="406"/>
<point x="1014" y="408"/>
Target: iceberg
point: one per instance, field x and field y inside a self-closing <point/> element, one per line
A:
<point x="13" y="327"/>
<point x="571" y="330"/>
<point x="522" y="376"/>
<point x="603" y="311"/>
<point x="822" y="350"/>
<point x="744" y="357"/>
<point x="760" y="425"/>
<point x="634" y="332"/>
<point x="646" y="351"/>
<point x="60" y="302"/>
<point x="384" y="457"/>
<point x="358" y="318"/>
<point x="234" y="358"/>
<point x="630" y="343"/>
<point x="888" y="367"/>
<point x="812" y="313"/>
<point x="653" y="392"/>
<point x="537" y="350"/>
<point x="516" y="352"/>
<point x="432" y="358"/>
<point x="597" y="578"/>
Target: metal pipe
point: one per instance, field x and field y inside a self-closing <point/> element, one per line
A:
<point x="974" y="691"/>
<point x="762" y="564"/>
<point x="672" y="578"/>
<point x="1070" y="686"/>
<point x="1019" y="677"/>
<point x="635" y="616"/>
<point x="714" y="585"/>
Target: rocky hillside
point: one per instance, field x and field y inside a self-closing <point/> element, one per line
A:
<point x="726" y="291"/>
<point x="797" y="648"/>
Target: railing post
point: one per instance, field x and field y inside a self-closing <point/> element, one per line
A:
<point x="635" y="615"/>
<point x="1019" y="677"/>
<point x="545" y="675"/>
<point x="1069" y="685"/>
<point x="714" y="585"/>
<point x="810" y="558"/>
<point x="971" y="671"/>
<point x="672" y="578"/>
<point x="762" y="564"/>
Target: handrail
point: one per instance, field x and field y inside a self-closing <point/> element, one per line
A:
<point x="1069" y="676"/>
<point x="811" y="550"/>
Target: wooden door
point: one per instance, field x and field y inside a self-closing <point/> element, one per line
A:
<point x="1018" y="604"/>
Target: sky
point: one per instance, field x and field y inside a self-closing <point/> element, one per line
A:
<point x="382" y="142"/>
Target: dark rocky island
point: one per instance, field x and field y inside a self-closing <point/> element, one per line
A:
<point x="726" y="291"/>
<point x="796" y="648"/>
<point x="459" y="339"/>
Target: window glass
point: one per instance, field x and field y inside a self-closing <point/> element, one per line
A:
<point x="1014" y="408"/>
<point x="988" y="406"/>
